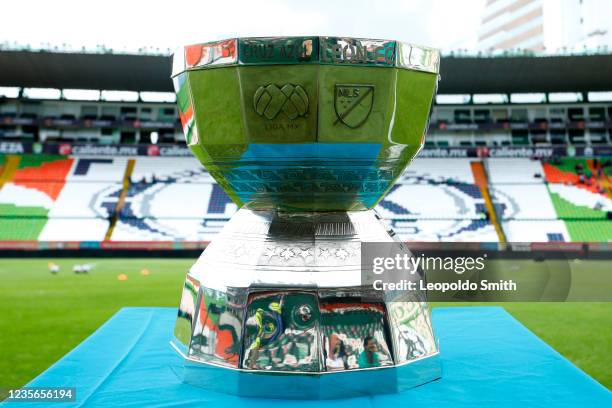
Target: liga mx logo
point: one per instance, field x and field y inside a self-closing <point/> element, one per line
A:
<point x="290" y="99"/>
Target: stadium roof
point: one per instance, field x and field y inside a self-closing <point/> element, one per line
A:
<point x="460" y="75"/>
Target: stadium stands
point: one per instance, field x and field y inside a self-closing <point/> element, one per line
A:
<point x="59" y="198"/>
<point x="163" y="168"/>
<point x="173" y="210"/>
<point x="580" y="192"/>
<point x="457" y="230"/>
<point x="432" y="201"/>
<point x="437" y="200"/>
<point x="74" y="229"/>
<point x="451" y="170"/>
<point x="172" y="199"/>
<point x="589" y="230"/>
<point x="523" y="202"/>
<point x="581" y="203"/>
<point x="514" y="171"/>
<point x="54" y="198"/>
<point x="535" y="231"/>
<point x="541" y="202"/>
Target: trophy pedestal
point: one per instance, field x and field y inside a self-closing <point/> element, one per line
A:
<point x="275" y="307"/>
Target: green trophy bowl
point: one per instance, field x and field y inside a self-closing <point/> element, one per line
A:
<point x="305" y="123"/>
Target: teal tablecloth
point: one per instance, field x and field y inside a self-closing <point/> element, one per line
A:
<point x="489" y="360"/>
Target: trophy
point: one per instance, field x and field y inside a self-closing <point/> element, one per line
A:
<point x="306" y="135"/>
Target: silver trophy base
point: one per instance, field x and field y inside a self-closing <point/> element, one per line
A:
<point x="275" y="307"/>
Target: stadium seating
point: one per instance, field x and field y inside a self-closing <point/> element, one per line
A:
<point x="86" y="200"/>
<point x="538" y="202"/>
<point x="54" y="198"/>
<point x="536" y="231"/>
<point x="90" y="169"/>
<point x="74" y="229"/>
<point x="439" y="170"/>
<point x="179" y="211"/>
<point x="514" y="171"/>
<point x="523" y="201"/>
<point x="42" y="168"/>
<point x="437" y="200"/>
<point x="166" y="229"/>
<point x="589" y="230"/>
<point x="20" y="197"/>
<point x="20" y="228"/>
<point x="433" y="201"/>
<point x="174" y="200"/>
<point x="169" y="168"/>
<point x="581" y="203"/>
<point x="555" y="174"/>
<point x="58" y="198"/>
<point x="579" y="196"/>
<point x="458" y="230"/>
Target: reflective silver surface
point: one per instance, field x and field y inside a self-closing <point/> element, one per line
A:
<point x="330" y="385"/>
<point x="306" y="50"/>
<point x="281" y="293"/>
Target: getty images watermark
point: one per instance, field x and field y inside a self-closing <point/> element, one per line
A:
<point x="409" y="264"/>
<point x="449" y="273"/>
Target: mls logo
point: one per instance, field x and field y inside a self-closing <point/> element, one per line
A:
<point x="353" y="104"/>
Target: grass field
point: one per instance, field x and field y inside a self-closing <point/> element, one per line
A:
<point x="44" y="316"/>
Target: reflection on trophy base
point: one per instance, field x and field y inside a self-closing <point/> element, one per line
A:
<point x="275" y="307"/>
<point x="333" y="385"/>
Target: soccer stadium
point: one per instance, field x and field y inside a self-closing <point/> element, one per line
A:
<point x="501" y="163"/>
<point x="104" y="207"/>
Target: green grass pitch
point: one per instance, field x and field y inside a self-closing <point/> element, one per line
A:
<point x="44" y="316"/>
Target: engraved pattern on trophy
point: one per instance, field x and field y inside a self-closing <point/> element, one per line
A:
<point x="353" y="104"/>
<point x="306" y="135"/>
<point x="271" y="99"/>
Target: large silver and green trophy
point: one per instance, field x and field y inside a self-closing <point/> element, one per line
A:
<point x="306" y="135"/>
